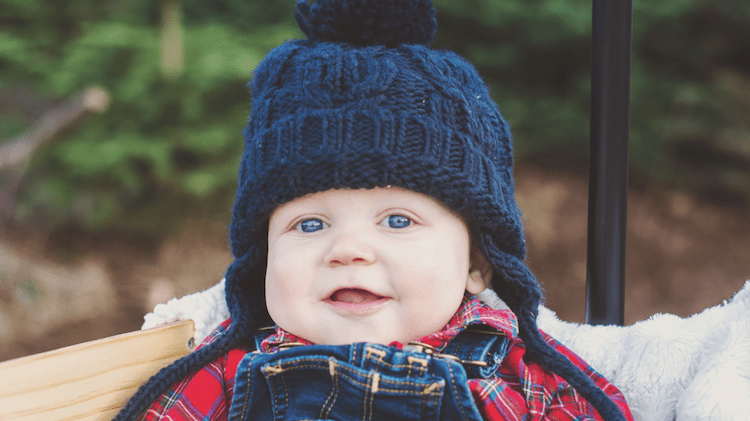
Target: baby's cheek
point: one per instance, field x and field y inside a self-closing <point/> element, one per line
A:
<point x="272" y="296"/>
<point x="280" y="270"/>
<point x="277" y="288"/>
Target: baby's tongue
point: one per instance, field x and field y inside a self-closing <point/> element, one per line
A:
<point x="353" y="296"/>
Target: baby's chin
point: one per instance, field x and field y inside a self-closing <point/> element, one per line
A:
<point x="336" y="336"/>
<point x="351" y="339"/>
<point x="357" y="339"/>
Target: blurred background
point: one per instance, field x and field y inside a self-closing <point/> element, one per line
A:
<point x="120" y="134"/>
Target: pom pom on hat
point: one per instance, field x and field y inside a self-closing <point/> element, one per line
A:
<point x="368" y="22"/>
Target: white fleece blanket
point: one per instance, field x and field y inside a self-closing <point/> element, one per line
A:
<point x="669" y="368"/>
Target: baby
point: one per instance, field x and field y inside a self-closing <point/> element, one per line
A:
<point x="375" y="200"/>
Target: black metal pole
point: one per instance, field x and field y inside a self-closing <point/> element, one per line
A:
<point x="608" y="172"/>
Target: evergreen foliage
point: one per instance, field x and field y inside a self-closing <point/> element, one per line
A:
<point x="169" y="144"/>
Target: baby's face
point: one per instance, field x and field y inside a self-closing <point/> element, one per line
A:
<point x="378" y="265"/>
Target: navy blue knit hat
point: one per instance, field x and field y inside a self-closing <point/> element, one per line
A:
<point x="365" y="102"/>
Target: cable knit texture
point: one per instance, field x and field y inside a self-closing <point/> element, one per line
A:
<point x="365" y="102"/>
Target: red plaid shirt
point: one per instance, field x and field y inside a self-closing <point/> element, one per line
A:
<point x="520" y="391"/>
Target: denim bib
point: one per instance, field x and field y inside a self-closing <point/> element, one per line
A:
<point x="366" y="381"/>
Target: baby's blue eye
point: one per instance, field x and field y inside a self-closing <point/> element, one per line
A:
<point x="311" y="225"/>
<point x="396" y="221"/>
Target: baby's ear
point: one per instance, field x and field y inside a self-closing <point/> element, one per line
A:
<point x="480" y="272"/>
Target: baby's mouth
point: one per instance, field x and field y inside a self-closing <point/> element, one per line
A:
<point x="354" y="296"/>
<point x="356" y="301"/>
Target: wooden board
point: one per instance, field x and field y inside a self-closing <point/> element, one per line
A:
<point x="88" y="381"/>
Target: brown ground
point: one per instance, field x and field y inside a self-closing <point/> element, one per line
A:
<point x="683" y="254"/>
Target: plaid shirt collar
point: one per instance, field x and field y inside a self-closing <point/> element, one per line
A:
<point x="470" y="312"/>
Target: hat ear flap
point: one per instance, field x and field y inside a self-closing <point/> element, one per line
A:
<point x="510" y="278"/>
<point x="514" y="283"/>
<point x="245" y="292"/>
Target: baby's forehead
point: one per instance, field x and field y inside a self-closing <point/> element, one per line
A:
<point x="347" y="201"/>
<point x="346" y="196"/>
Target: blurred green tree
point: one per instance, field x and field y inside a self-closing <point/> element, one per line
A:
<point x="170" y="140"/>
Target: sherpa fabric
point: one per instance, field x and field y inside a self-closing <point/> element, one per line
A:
<point x="669" y="368"/>
<point x="672" y="368"/>
<point x="365" y="102"/>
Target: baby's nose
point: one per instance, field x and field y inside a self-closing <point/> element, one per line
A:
<point x="350" y="249"/>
